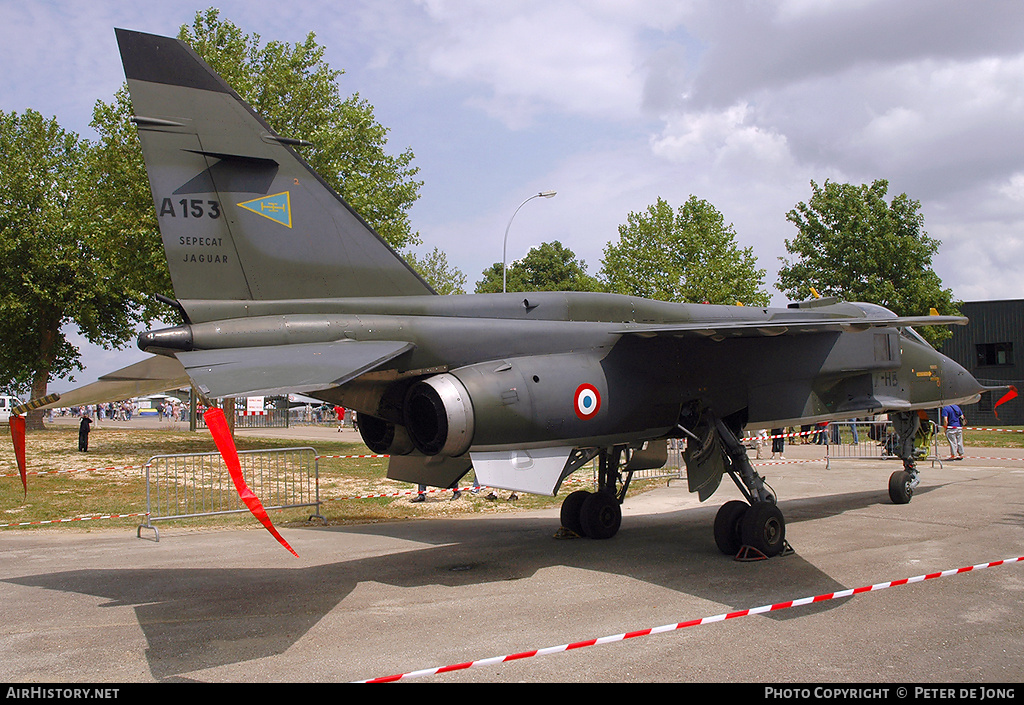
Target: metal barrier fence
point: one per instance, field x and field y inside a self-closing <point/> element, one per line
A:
<point x="873" y="440"/>
<point x="271" y="418"/>
<point x="198" y="484"/>
<point x="842" y="440"/>
<point x="675" y="468"/>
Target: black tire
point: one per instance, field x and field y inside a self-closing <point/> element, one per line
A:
<point x="763" y="528"/>
<point x="727" y="526"/>
<point x="570" y="514"/>
<point x="600" y="516"/>
<point x="900" y="491"/>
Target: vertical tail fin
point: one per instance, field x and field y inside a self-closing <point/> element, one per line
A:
<point x="242" y="216"/>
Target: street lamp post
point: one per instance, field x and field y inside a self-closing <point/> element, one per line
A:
<point x="504" y="246"/>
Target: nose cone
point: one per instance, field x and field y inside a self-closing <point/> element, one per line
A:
<point x="958" y="385"/>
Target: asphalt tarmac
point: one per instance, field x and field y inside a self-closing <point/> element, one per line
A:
<point x="363" y="602"/>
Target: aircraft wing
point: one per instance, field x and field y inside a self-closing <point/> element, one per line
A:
<point x="152" y="375"/>
<point x="753" y="329"/>
<point x="278" y="369"/>
<point x="283" y="369"/>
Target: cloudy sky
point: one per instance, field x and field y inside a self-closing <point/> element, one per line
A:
<point x="614" y="104"/>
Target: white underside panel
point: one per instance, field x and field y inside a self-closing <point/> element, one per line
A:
<point x="537" y="470"/>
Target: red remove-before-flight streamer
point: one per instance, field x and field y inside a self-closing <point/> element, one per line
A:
<point x="218" y="426"/>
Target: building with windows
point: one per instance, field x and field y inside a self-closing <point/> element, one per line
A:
<point x="991" y="347"/>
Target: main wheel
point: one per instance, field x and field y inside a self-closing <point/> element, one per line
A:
<point x="570" y="513"/>
<point x="900" y="489"/>
<point x="727" y="526"/>
<point x="764" y="528"/>
<point x="600" y="515"/>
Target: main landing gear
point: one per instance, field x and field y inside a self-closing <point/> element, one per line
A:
<point x="754" y="529"/>
<point x="749" y="530"/>
<point x="598" y="515"/>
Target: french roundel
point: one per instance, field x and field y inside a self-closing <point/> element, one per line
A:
<point x="587" y="401"/>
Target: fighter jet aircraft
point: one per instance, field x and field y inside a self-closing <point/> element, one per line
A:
<point x="284" y="288"/>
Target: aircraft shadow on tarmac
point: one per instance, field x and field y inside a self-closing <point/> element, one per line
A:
<point x="195" y="619"/>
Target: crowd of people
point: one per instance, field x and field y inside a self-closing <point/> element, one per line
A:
<point x="170" y="409"/>
<point x="164" y="410"/>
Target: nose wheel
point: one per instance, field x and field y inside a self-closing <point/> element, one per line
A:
<point x="901" y="486"/>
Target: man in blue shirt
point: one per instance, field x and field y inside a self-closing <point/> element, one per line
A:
<point x="952" y="419"/>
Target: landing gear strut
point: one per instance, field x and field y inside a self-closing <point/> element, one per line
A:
<point x="754" y="529"/>
<point x="906" y="424"/>
<point x="598" y="515"/>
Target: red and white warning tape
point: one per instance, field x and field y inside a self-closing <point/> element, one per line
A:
<point x="67" y="472"/>
<point x="984" y="457"/>
<point x="140" y="467"/>
<point x="788" y="462"/>
<point x="796" y="434"/>
<point x="400" y="493"/>
<point x="1001" y="430"/>
<point x="682" y="625"/>
<point x="64" y="521"/>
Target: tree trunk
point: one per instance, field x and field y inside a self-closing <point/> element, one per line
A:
<point x="34" y="418"/>
<point x="41" y="378"/>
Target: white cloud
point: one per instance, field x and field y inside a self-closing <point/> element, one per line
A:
<point x="980" y="260"/>
<point x="721" y="137"/>
<point x="754" y="102"/>
<point x="1014" y="188"/>
<point x="527" y="58"/>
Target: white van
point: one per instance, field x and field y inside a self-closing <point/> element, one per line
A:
<point x="6" y="404"/>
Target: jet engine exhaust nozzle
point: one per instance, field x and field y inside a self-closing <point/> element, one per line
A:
<point x="439" y="416"/>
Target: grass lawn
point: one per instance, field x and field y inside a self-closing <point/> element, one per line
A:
<point x="109" y="479"/>
<point x="64" y="483"/>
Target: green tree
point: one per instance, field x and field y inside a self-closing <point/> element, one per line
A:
<point x="53" y="271"/>
<point x="548" y="267"/>
<point x="123" y="214"/>
<point x="684" y="255"/>
<point x="297" y="92"/>
<point x="855" y="245"/>
<point x="80" y="237"/>
<point x="442" y="277"/>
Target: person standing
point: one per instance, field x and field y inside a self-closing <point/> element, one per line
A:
<point x="778" y="442"/>
<point x="83" y="433"/>
<point x="952" y="419"/>
<point x="421" y="493"/>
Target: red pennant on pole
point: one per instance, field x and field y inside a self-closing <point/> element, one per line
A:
<point x="218" y="426"/>
<point x="1012" y="394"/>
<point x="18" y="438"/>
